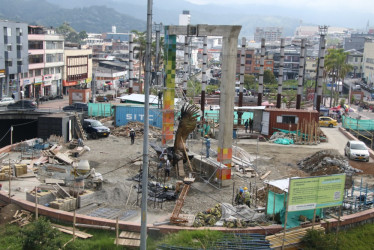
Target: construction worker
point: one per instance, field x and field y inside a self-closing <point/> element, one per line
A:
<point x="239" y="198"/>
<point x="132" y="136"/>
<point x="246" y="124"/>
<point x="207" y="144"/>
<point x="247" y="197"/>
<point x="167" y="169"/>
<point x="250" y="125"/>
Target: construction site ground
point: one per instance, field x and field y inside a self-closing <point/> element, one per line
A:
<point x="119" y="161"/>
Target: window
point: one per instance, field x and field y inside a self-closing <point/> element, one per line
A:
<point x="248" y="56"/>
<point x="31" y="73"/>
<point x="35" y="44"/>
<point x="18" y="32"/>
<point x="9" y="63"/>
<point x="248" y="62"/>
<point x="9" y="47"/>
<point x="269" y="62"/>
<point x="38" y="72"/>
<point x="46" y="71"/>
<point x="57" y="70"/>
<point x="35" y="59"/>
<point x="19" y="47"/>
<point x="19" y="63"/>
<point x="24" y="75"/>
<point x="7" y="31"/>
<point x="287" y="119"/>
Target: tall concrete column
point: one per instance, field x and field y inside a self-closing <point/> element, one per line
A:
<point x="185" y="64"/>
<point x="203" y="76"/>
<point x="131" y="63"/>
<point x="241" y="78"/>
<point x="320" y="72"/>
<point x="301" y="75"/>
<point x="227" y="97"/>
<point x="280" y="74"/>
<point x="261" y="74"/>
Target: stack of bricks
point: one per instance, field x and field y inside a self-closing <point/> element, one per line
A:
<point x="4" y="173"/>
<point x="67" y="204"/>
<point x="21" y="169"/>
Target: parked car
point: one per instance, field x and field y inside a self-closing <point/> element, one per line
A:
<point x="356" y="150"/>
<point x="95" y="129"/>
<point x="23" y="104"/>
<point x="327" y="121"/>
<point x="77" y="107"/>
<point x="6" y="100"/>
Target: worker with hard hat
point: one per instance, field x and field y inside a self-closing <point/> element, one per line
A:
<point x="247" y="197"/>
<point x="132" y="136"/>
<point x="239" y="198"/>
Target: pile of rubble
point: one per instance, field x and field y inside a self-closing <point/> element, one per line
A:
<point x="283" y="138"/>
<point x="229" y="216"/>
<point x="326" y="162"/>
<point x="154" y="132"/>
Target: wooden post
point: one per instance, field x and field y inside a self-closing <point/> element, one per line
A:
<point x="74" y="218"/>
<point x="285" y="218"/>
<point x="10" y="177"/>
<point x="266" y="200"/>
<point x="297" y="129"/>
<point x="314" y="217"/>
<point x="337" y="227"/>
<point x="36" y="203"/>
<point x="117" y="231"/>
<point x="273" y="206"/>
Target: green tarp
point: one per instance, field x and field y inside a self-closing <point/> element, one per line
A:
<point x="100" y="109"/>
<point x="351" y="123"/>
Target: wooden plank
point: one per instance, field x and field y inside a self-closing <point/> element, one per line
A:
<point x="129" y="235"/>
<point x="69" y="230"/>
<point x="65" y="158"/>
<point x="265" y="175"/>
<point x="128" y="242"/>
<point x="54" y="181"/>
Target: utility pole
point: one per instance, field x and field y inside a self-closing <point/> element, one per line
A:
<point x="203" y="76"/>
<point x="280" y="74"/>
<point x="321" y="65"/>
<point x="261" y="74"/>
<point x="143" y="229"/>
<point x="301" y="75"/>
<point x="131" y="63"/>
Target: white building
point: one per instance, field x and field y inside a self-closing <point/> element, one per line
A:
<point x="185" y="18"/>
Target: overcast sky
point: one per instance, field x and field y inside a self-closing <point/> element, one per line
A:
<point x="347" y="13"/>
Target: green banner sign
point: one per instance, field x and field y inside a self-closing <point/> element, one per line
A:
<point x="316" y="192"/>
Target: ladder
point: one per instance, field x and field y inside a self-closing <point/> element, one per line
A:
<point x="79" y="124"/>
<point x="179" y="204"/>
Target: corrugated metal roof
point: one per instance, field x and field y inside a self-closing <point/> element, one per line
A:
<point x="141" y="98"/>
<point x="291" y="110"/>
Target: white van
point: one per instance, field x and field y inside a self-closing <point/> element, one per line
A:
<point x="245" y="91"/>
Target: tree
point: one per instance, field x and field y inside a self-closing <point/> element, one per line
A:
<point x="269" y="77"/>
<point x="336" y="66"/>
<point x="250" y="82"/>
<point x="70" y="34"/>
<point x="140" y="40"/>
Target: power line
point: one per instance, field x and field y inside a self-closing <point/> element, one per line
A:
<point x="4" y="135"/>
<point x="23" y="123"/>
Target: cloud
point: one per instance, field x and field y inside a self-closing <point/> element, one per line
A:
<point x="364" y="6"/>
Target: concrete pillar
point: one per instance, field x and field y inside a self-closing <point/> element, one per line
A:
<point x="185" y="65"/>
<point x="227" y="97"/>
<point x="169" y="92"/>
<point x="131" y="63"/>
<point x="280" y="74"/>
<point x="261" y="74"/>
<point x="320" y="72"/>
<point x="242" y="69"/>
<point x="203" y="76"/>
<point x="301" y="75"/>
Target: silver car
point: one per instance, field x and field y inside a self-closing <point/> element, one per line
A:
<point x="357" y="150"/>
<point x="6" y="100"/>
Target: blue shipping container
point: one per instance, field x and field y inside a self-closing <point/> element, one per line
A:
<point x="125" y="114"/>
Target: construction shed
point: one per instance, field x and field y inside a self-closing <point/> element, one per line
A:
<point x="286" y="119"/>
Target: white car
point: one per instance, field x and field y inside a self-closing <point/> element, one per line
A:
<point x="6" y="100"/>
<point x="356" y="150"/>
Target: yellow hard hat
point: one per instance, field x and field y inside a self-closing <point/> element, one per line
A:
<point x="245" y="188"/>
<point x="206" y="136"/>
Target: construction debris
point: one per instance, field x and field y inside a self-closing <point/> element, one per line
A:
<point x="154" y="132"/>
<point x="327" y="162"/>
<point x="22" y="218"/>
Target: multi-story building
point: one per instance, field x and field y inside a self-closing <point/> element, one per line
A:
<point x="13" y="57"/>
<point x="368" y="62"/>
<point x="248" y="63"/>
<point x="185" y="18"/>
<point x="77" y="69"/>
<point x="268" y="63"/>
<point x="354" y="58"/>
<point x="46" y="62"/>
<point x="356" y="41"/>
<point x="269" y="33"/>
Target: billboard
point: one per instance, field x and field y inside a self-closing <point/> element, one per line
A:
<point x="316" y="192"/>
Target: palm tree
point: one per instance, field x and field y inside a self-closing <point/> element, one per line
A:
<point x="336" y="65"/>
<point x="140" y="45"/>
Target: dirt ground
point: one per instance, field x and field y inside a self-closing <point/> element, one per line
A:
<point x="112" y="156"/>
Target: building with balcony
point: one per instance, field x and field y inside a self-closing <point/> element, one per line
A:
<point x="46" y="62"/>
<point x="13" y="57"/>
<point x="77" y="71"/>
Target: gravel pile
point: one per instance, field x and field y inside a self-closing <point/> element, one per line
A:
<point x="327" y="162"/>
